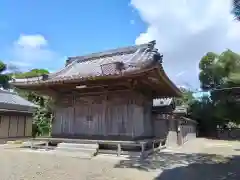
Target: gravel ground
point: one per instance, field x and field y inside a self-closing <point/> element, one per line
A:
<point x="195" y="160"/>
<point x="16" y="165"/>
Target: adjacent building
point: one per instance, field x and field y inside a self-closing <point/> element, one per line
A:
<point x="170" y="122"/>
<point x="16" y="116"/>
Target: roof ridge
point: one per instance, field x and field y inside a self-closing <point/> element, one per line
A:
<point x="109" y="53"/>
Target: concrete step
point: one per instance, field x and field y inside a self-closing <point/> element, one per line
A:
<point x="123" y="153"/>
<point x="84" y="150"/>
<point x="80" y="155"/>
<point x="71" y="149"/>
<point x="78" y="145"/>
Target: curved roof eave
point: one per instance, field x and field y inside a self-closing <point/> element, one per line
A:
<point x="166" y="79"/>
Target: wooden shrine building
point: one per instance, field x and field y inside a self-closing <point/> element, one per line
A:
<point x="107" y="95"/>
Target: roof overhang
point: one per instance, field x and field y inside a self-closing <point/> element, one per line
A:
<point x="15" y="112"/>
<point x="153" y="78"/>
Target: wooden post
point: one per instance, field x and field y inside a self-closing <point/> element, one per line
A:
<point x="119" y="150"/>
<point x="142" y="147"/>
<point x="103" y="125"/>
<point x="142" y="150"/>
<point x="31" y="143"/>
<point x="46" y="145"/>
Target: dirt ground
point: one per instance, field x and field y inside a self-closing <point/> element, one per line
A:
<point x="201" y="159"/>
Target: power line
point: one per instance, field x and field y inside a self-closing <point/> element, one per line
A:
<point x="216" y="89"/>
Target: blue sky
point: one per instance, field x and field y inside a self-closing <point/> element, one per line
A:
<point x="43" y="33"/>
<point x="70" y="29"/>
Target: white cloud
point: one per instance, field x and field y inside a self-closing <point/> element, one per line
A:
<point x="31" y="41"/>
<point x="32" y="50"/>
<point x="185" y="30"/>
<point x="180" y="73"/>
<point x="132" y="22"/>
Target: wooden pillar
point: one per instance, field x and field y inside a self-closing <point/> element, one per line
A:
<point x="24" y="125"/>
<point x="17" y="125"/>
<point x="9" y="124"/>
<point x="119" y="149"/>
<point x="105" y="114"/>
<point x="142" y="147"/>
<point x="46" y="145"/>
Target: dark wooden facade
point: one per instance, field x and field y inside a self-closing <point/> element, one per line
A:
<point x="123" y="115"/>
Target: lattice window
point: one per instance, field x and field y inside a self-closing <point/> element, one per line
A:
<point x="112" y="68"/>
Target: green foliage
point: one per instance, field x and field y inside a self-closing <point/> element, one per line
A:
<point x="42" y="116"/>
<point x="236" y="9"/>
<point x="202" y="112"/>
<point x="217" y="71"/>
<point x="4" y="78"/>
<point x="3" y="67"/>
<point x="186" y="99"/>
<point x="32" y="73"/>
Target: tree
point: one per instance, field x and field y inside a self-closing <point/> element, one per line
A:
<point x="42" y="116"/>
<point x="202" y="112"/>
<point x="217" y="71"/>
<point x="4" y="78"/>
<point x="236" y="9"/>
<point x="186" y="99"/>
<point x="31" y="73"/>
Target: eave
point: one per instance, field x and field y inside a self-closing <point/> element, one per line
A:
<point x="153" y="78"/>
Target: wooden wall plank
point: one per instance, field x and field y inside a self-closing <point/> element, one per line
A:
<point x="105" y="115"/>
<point x="20" y="132"/>
<point x="4" y="126"/>
<point x="28" y="126"/>
<point x="13" y="126"/>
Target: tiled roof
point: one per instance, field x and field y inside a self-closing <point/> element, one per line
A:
<point x="130" y="59"/>
<point x="180" y="110"/>
<point x="10" y="101"/>
<point x="161" y="102"/>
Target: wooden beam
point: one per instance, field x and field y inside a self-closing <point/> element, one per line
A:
<point x="103" y="92"/>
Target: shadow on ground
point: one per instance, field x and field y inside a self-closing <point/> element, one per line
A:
<point x="187" y="166"/>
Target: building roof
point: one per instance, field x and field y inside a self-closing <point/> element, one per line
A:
<point x="123" y="63"/>
<point x="161" y="102"/>
<point x="163" y="105"/>
<point x="10" y="101"/>
<point x="180" y="110"/>
<point x="131" y="59"/>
